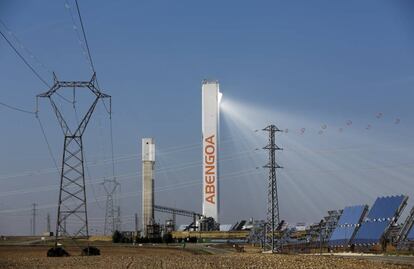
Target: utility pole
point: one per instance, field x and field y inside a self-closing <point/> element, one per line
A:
<point x="272" y="199"/>
<point x="136" y="223"/>
<point x="34" y="219"/>
<point x="48" y="223"/>
<point x="72" y="193"/>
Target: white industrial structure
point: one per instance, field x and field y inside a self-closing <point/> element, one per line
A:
<point x="211" y="97"/>
<point x="148" y="163"/>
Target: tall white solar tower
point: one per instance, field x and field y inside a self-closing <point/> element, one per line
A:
<point x="211" y="97"/>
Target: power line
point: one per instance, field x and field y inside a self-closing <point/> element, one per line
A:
<point x="112" y="145"/>
<point x="84" y="37"/>
<point x="16" y="108"/>
<point x="109" y="111"/>
<point x="24" y="60"/>
<point x="129" y="176"/>
<point x="123" y="177"/>
<point x="93" y="69"/>
<point x="29" y="52"/>
<point x="64" y="98"/>
<point x="47" y="143"/>
<point x="122" y="158"/>
<point x="75" y="28"/>
<point x="25" y="111"/>
<point x="49" y="170"/>
<point x="97" y="83"/>
<point x="88" y="172"/>
<point x="193" y="182"/>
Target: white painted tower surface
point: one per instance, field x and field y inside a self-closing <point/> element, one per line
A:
<point x="148" y="163"/>
<point x="210" y="127"/>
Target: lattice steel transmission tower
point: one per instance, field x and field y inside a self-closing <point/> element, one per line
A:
<point x="72" y="195"/>
<point x="110" y="187"/>
<point x="118" y="221"/>
<point x="272" y="198"/>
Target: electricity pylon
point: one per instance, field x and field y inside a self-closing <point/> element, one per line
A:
<point x="272" y="198"/>
<point x="72" y="194"/>
<point x="110" y="187"/>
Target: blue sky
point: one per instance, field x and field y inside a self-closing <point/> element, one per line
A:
<point x="299" y="64"/>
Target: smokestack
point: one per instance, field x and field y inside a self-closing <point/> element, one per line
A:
<point x="148" y="163"/>
<point x="211" y="97"/>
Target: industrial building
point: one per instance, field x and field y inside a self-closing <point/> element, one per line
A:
<point x="148" y="165"/>
<point x="354" y="227"/>
<point x="349" y="228"/>
<point x="208" y="219"/>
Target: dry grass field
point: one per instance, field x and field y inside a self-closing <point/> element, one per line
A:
<point x="162" y="257"/>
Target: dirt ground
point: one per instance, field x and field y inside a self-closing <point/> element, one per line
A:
<point x="153" y="257"/>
